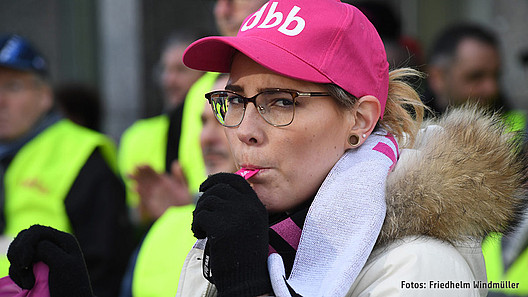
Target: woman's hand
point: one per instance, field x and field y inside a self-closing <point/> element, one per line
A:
<point x="235" y="222"/>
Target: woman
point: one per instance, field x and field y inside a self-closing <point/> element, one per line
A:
<point x="320" y="145"/>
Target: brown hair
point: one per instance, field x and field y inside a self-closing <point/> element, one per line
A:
<point x="404" y="111"/>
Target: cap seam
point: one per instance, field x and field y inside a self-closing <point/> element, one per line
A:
<point x="337" y="37"/>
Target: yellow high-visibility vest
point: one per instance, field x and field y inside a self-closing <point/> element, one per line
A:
<point x="143" y="143"/>
<point x="515" y="120"/>
<point x="517" y="273"/>
<point x="42" y="173"/>
<point x="162" y="253"/>
<point x="492" y="248"/>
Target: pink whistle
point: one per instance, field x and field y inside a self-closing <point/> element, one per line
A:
<point x="247" y="173"/>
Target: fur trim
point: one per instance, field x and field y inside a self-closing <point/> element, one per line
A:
<point x="464" y="178"/>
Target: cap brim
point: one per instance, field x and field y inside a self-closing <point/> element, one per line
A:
<point x="216" y="54"/>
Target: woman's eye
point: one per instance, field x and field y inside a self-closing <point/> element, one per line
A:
<point x="281" y="102"/>
<point x="235" y="100"/>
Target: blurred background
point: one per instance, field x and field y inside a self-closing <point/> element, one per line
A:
<point x="114" y="45"/>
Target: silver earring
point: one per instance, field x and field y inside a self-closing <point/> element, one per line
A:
<point x="364" y="135"/>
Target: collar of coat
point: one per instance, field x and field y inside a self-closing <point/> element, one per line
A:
<point x="464" y="177"/>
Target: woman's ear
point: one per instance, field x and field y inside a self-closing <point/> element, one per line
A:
<point x="366" y="115"/>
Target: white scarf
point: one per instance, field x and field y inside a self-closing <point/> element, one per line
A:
<point x="342" y="224"/>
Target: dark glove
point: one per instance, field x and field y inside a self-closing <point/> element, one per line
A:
<point x="68" y="275"/>
<point x="235" y="223"/>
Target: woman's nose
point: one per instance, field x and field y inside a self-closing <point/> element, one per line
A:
<point x="252" y="129"/>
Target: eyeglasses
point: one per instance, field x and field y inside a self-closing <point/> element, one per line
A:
<point x="276" y="106"/>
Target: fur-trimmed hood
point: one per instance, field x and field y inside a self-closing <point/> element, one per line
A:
<point x="463" y="178"/>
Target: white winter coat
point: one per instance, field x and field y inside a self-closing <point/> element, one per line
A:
<point x="460" y="181"/>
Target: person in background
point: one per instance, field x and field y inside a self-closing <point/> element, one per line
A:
<point x="156" y="269"/>
<point x="80" y="103"/>
<point x="215" y="148"/>
<point x="464" y="66"/>
<point x="157" y="142"/>
<point x="174" y="77"/>
<point x="161" y="191"/>
<point x="56" y="173"/>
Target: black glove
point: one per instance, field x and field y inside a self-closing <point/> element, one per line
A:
<point x="235" y="223"/>
<point x="68" y="275"/>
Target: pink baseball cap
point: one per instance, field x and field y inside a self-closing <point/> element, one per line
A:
<point x="323" y="41"/>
